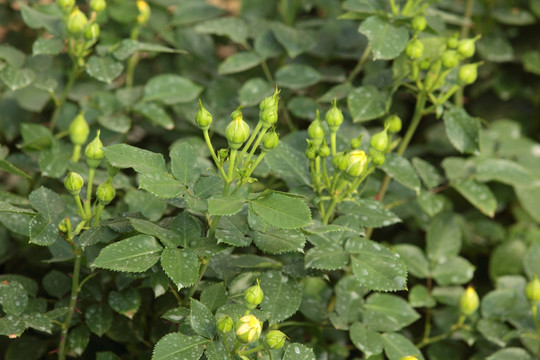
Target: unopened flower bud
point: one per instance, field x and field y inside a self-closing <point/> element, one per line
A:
<point x="334" y="117"/>
<point x="393" y="124"/>
<point x="98" y="5"/>
<point x="343" y="162"/>
<point x="414" y="49"/>
<point x="453" y="42"/>
<point x="469" y="301"/>
<point x="467" y="47"/>
<point x="77" y="22"/>
<point x="357" y="162"/>
<point x="79" y="130"/>
<point x="73" y="183"/>
<point x="311" y="151"/>
<point x="64" y="225"/>
<point x="316" y="131"/>
<point x="468" y="73"/>
<point x="94" y="152"/>
<point x="105" y="193"/>
<point x="203" y="118"/>
<point x="269" y="117"/>
<point x="409" y="358"/>
<point x="425" y="64"/>
<point x="66" y="5"/>
<point x="532" y="290"/>
<point x="324" y="150"/>
<point x="356" y="143"/>
<point x="336" y="159"/>
<point x="237" y="132"/>
<point x="269" y="141"/>
<point x="248" y="329"/>
<point x="144" y="12"/>
<point x="450" y="59"/>
<point x="379" y="141"/>
<point x="378" y="157"/>
<point x="253" y="296"/>
<point x="275" y="339"/>
<point x="419" y="23"/>
<point x="225" y="324"/>
<point x="92" y="32"/>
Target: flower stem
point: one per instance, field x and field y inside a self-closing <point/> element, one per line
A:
<point x="333" y="142"/>
<point x="79" y="206"/>
<point x="213" y="153"/>
<point x="251" y="138"/>
<point x="71" y="80"/>
<point x="254" y="148"/>
<point x="334" y="202"/>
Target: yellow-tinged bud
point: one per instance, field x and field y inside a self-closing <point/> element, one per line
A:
<point x="237" y="132"/>
<point x="268" y="109"/>
<point x="98" y="5"/>
<point x="275" y="339"/>
<point x="414" y="49"/>
<point x="357" y="162"/>
<point x="66" y="5"/>
<point x="469" y="301"/>
<point x="324" y="150"/>
<point x="77" y="22"/>
<point x="419" y="23"/>
<point x="79" y="130"/>
<point x="248" y="329"/>
<point x="144" y="12"/>
<point x="532" y="290"/>
<point x="468" y="73"/>
<point x="409" y="358"/>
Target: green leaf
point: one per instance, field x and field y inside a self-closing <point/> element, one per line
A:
<point x="462" y="130"/>
<point x="253" y="91"/>
<point x="294" y="40"/>
<point x="233" y="230"/>
<point x="427" y="172"/>
<point x="431" y="203"/>
<point x="167" y="237"/>
<point x="282" y="296"/>
<point x="176" y="346"/>
<point x="365" y="339"/>
<point x="397" y="346"/>
<point x="155" y="113"/>
<point x="281" y="211"/>
<point x="401" y="170"/>
<point x="106" y="355"/>
<point x="531" y="265"/>
<point x="386" y="40"/>
<point x="12" y="169"/>
<point x="477" y="194"/>
<point x="35" y="137"/>
<point x="15" y="78"/>
<point x="385" y="312"/>
<point x="13" y="298"/>
<point x="98" y="318"/>
<point x="513" y="353"/>
<point x="54" y="161"/>
<point x="369" y="213"/>
<point x="43" y="46"/>
<point x="214" y="296"/>
<point x="78" y="339"/>
<point x="296" y="351"/>
<point x="184" y="165"/>
<point x="12" y="325"/>
<point x="126" y="156"/>
<point x="279" y="241"/>
<point x="226" y="205"/>
<point x="512" y="15"/>
<point x="234" y="28"/>
<point x="366" y="103"/>
<point x="146" y="203"/>
<point x="43" y="232"/>
<point x="47" y="203"/>
<point x="215" y="350"/>
<point x="162" y="185"/>
<point x="528" y="197"/>
<point x="104" y="69"/>
<point x="415" y="259"/>
<point x="189" y="12"/>
<point x="338" y="92"/>
<point x="453" y="271"/>
<point x="443" y="239"/>
<point x="171" y="89"/>
<point x="238" y="62"/>
<point x="327" y="257"/>
<point x="202" y="320"/>
<point x="531" y="61"/>
<point x="7" y="207"/>
<point x="376" y="267"/>
<point x="503" y="170"/>
<point x="134" y="254"/>
<point x="56" y="283"/>
<point x="126" y="302"/>
<point x="128" y="47"/>
<point x="36" y="20"/>
<point x="181" y="265"/>
<point x="349" y="299"/>
<point x="303" y="107"/>
<point x="297" y="76"/>
<point x="39" y="322"/>
<point x="289" y="164"/>
<point x="419" y="296"/>
<point x="187" y="228"/>
<point x="495" y="49"/>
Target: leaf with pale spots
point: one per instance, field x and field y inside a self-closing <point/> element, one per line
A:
<point x="366" y="103"/>
<point x="184" y="164"/>
<point x="171" y="89"/>
<point x="397" y="346"/>
<point x="155" y="113"/>
<point x="387" y="41"/>
<point x="375" y="266"/>
<point x="282" y="296"/>
<point x="134" y="254"/>
<point x="181" y="265"/>
<point x="366" y="340"/>
<point x="104" y="69"/>
<point x="39" y="322"/>
<point x="462" y="130"/>
<point x="202" y="320"/>
<point x="477" y="194"/>
<point x="295" y="351"/>
<point x="12" y="325"/>
<point x="385" y="312"/>
<point x="453" y="271"/>
<point x="401" y="170"/>
<point x="443" y="239"/>
<point x="369" y="213"/>
<point x="126" y="302"/>
<point x="177" y="346"/>
<point x="279" y="241"/>
<point x="13" y="297"/>
<point x="98" y="318"/>
<point x="78" y="339"/>
<point x="281" y="211"/>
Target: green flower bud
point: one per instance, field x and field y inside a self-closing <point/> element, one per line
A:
<point x="469" y="301"/>
<point x="336" y="159"/>
<point x="324" y="150"/>
<point x="316" y="131"/>
<point x="466" y="47"/>
<point x="378" y="157"/>
<point x="379" y="141"/>
<point x="64" y="225"/>
<point x="453" y="42"/>
<point x="98" y="5"/>
<point x="79" y="130"/>
<point x="269" y="141"/>
<point x="203" y="118"/>
<point x="425" y="64"/>
<point x="468" y="73"/>
<point x="66" y="5"/>
<point x="225" y="324"/>
<point x="414" y="49"/>
<point x="73" y="183"/>
<point x="248" y="329"/>
<point x="532" y="290"/>
<point x="92" y="32"/>
<point x="393" y="124"/>
<point x="275" y="339"/>
<point x="94" y="152"/>
<point x="419" y="23"/>
<point x="253" y="296"/>
<point x="334" y="117"/>
<point x="343" y="162"/>
<point x="357" y="161"/>
<point x="269" y="116"/>
<point x="311" y="151"/>
<point x="144" y="12"/>
<point x="356" y="143"/>
<point x="77" y="22"/>
<point x="237" y="132"/>
<point x="450" y="59"/>
<point x="105" y="193"/>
